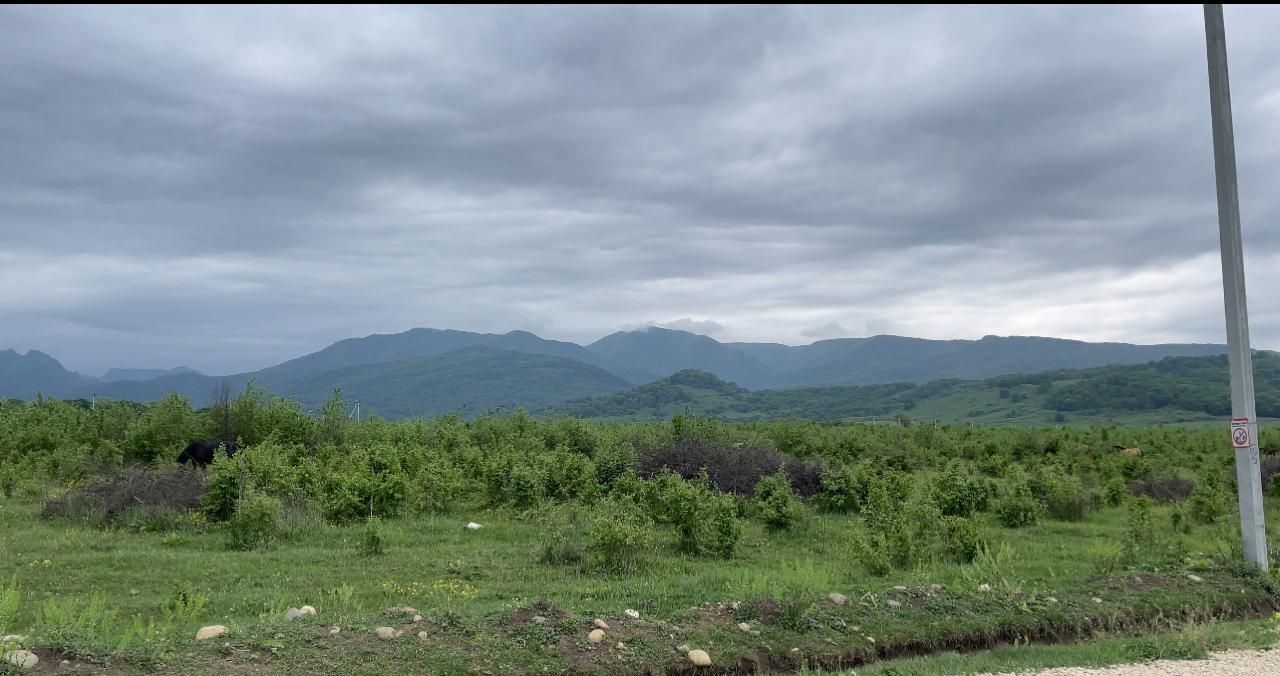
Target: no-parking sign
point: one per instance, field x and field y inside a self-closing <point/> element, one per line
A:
<point x="1240" y="432"/>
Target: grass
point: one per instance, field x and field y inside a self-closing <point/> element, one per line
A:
<point x="471" y="585"/>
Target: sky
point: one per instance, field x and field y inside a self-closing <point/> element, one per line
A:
<point x="226" y="188"/>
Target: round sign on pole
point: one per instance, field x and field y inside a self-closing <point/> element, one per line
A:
<point x="1240" y="432"/>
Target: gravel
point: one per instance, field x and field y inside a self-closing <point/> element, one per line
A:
<point x="1229" y="663"/>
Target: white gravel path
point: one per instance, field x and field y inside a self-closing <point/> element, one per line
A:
<point x="1229" y="663"/>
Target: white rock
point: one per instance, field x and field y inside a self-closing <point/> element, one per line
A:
<point x="631" y="614"/>
<point x="895" y="605"/>
<point x="402" y="610"/>
<point x="900" y="588"/>
<point x="984" y="588"/>
<point x="700" y="658"/>
<point x="422" y="636"/>
<point x="1097" y="600"/>
<point x="538" y="619"/>
<point x="386" y="633"/>
<point x="870" y="639"/>
<point x="14" y="639"/>
<point x="211" y="631"/>
<point x="744" y="627"/>
<point x="600" y="624"/>
<point x="1195" y="578"/>
<point x="1051" y="601"/>
<point x="683" y="647"/>
<point x="596" y="636"/>
<point x="334" y="631"/>
<point x="621" y="646"/>
<point x="837" y="598"/>
<point x="417" y="619"/>
<point x="755" y="632"/>
<point x="935" y="588"/>
<point x="23" y="659"/>
<point x="292" y="614"/>
<point x="307" y="610"/>
<point x="795" y="650"/>
<point x="473" y="526"/>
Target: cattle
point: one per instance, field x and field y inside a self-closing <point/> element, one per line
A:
<point x="201" y="451"/>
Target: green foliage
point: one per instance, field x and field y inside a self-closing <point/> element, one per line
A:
<point x="1114" y="492"/>
<point x="373" y="544"/>
<point x="10" y="598"/>
<point x="1140" y="532"/>
<point x="255" y="524"/>
<point x="776" y="503"/>
<point x="1017" y="507"/>
<point x="842" y="492"/>
<point x="1208" y="503"/>
<point x="1064" y="497"/>
<point x="959" y="492"/>
<point x="962" y="538"/>
<point x="621" y="536"/>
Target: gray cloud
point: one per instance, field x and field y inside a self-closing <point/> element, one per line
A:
<point x="230" y="187"/>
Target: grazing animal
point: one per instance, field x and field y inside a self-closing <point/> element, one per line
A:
<point x="201" y="451"/>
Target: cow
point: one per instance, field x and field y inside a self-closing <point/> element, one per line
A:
<point x="201" y="451"/>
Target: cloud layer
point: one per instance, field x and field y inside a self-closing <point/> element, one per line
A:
<point x="230" y="187"/>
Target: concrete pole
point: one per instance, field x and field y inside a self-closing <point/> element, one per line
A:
<point x="1244" y="418"/>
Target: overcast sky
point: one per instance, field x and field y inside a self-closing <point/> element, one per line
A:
<point x="227" y="188"/>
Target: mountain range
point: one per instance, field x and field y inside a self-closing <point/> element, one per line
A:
<point x="429" y="371"/>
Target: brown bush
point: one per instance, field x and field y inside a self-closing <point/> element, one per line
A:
<point x="135" y="489"/>
<point x="1163" y="489"/>
<point x="732" y="469"/>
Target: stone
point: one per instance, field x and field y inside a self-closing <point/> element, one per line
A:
<point x="600" y="624"/>
<point x="473" y="526"/>
<point x="12" y="638"/>
<point x="900" y="588"/>
<point x="23" y="659"/>
<point x="699" y="658"/>
<point x="795" y="650"/>
<point x="744" y="627"/>
<point x="334" y="631"/>
<point x="422" y="636"/>
<point x="417" y="619"/>
<point x="1195" y="578"/>
<point x="385" y="633"/>
<point x="984" y="588"/>
<point x="596" y="636"/>
<point x="307" y="610"/>
<point x="621" y="646"/>
<point x="837" y="598"/>
<point x="894" y="604"/>
<point x="292" y="614"/>
<point x="871" y="640"/>
<point x="631" y="614"/>
<point x="935" y="589"/>
<point x="401" y="610"/>
<point x="538" y="619"/>
<point x="683" y="647"/>
<point x="1097" y="600"/>
<point x="211" y="631"/>
<point x="1051" y="601"/>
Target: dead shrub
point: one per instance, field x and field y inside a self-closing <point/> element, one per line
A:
<point x="732" y="469"/>
<point x="1163" y="489"/>
<point x="135" y="492"/>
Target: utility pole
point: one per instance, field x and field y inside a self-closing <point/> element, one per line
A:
<point x="1244" y="420"/>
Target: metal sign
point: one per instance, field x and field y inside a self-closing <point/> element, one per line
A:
<point x="1240" y="432"/>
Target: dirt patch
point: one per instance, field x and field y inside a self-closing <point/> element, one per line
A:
<point x="543" y="609"/>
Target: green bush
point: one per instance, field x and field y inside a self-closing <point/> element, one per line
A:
<point x="962" y="538"/>
<point x="621" y="536"/>
<point x="563" y="534"/>
<point x="705" y="519"/>
<point x="1065" y="498"/>
<point x="373" y="544"/>
<point x="1208" y="503"/>
<point x="959" y="492"/>
<point x="1140" y="534"/>
<point x="255" y="524"/>
<point x="223" y="488"/>
<point x="841" y="491"/>
<point x="1114" y="492"/>
<point x="1017" y="507"/>
<point x="777" y="504"/>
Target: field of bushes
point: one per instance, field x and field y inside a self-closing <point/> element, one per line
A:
<point x="769" y="546"/>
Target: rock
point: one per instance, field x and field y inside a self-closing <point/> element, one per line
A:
<point x="744" y="627"/>
<point x="1097" y="600"/>
<point x="15" y="639"/>
<point x="334" y="631"/>
<point x="211" y="631"/>
<point x="473" y="526"/>
<point x="596" y="636"/>
<point x="837" y="598"/>
<point x="307" y="610"/>
<point x="417" y="619"/>
<point x="1195" y="578"/>
<point x="292" y="614"/>
<point x="621" y="646"/>
<point x="385" y="633"/>
<point x="422" y="635"/>
<point x="871" y="640"/>
<point x="984" y="588"/>
<point x="600" y="624"/>
<point x="795" y="650"/>
<point x="895" y="605"/>
<point x="683" y="647"/>
<point x="935" y="589"/>
<point x="1051" y="601"/>
<point x="699" y="658"/>
<point x="631" y="614"/>
<point x="23" y="659"/>
<point x="401" y="610"/>
<point x="900" y="588"/>
<point x="134" y="592"/>
<point x="538" y="619"/>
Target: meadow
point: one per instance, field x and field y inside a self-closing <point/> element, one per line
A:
<point x="771" y="547"/>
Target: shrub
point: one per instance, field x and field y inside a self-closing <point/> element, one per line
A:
<point x="841" y="490"/>
<point x="621" y="536"/>
<point x="255" y="524"/>
<point x="1140" y="534"/>
<point x="778" y="506"/>
<point x="730" y="469"/>
<point x="1163" y="489"/>
<point x="563" y="535"/>
<point x="1208" y="504"/>
<point x="706" y="520"/>
<point x="1114" y="492"/>
<point x="1065" y="498"/>
<point x="959" y="492"/>
<point x="1018" y="507"/>
<point x="373" y="544"/>
<point x="223" y="489"/>
<point x="962" y="538"/>
<point x="138" y="497"/>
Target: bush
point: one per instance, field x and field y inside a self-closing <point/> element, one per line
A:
<point x="778" y="506"/>
<point x="1163" y="489"/>
<point x="959" y="492"/>
<point x="1140" y="534"/>
<point x="1065" y="498"/>
<point x="372" y="544"/>
<point x="730" y="469"/>
<point x="1114" y="492"/>
<point x="621" y="536"/>
<point x="138" y="497"/>
<point x="962" y="538"/>
<point x="563" y="535"/>
<point x="1208" y="504"/>
<point x="223" y="489"/>
<point x="706" y="520"/>
<point x="1018" y="508"/>
<point x="255" y="524"/>
<point x="841" y="490"/>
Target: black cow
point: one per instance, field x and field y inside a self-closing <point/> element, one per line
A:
<point x="201" y="451"/>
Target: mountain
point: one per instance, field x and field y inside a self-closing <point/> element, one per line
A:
<point x="143" y="374"/>
<point x="1173" y="389"/>
<point x="470" y="380"/>
<point x="23" y="376"/>
<point x="647" y="354"/>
